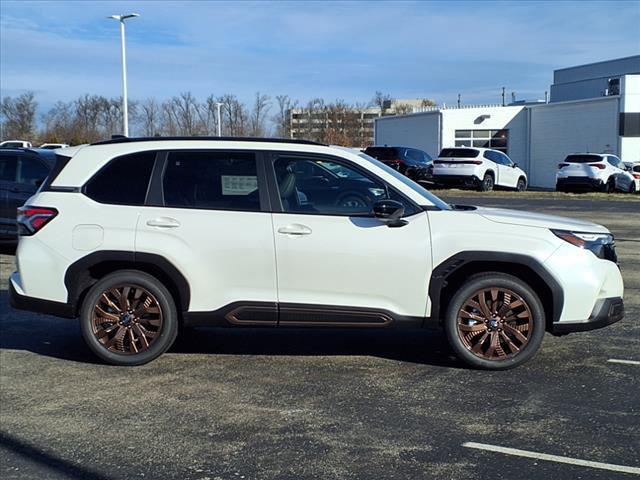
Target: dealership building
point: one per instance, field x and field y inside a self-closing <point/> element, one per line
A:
<point x="592" y="108"/>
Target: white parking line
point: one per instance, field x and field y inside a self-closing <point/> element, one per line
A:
<point x="626" y="362"/>
<point x="552" y="458"/>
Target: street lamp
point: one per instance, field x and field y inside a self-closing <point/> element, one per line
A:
<point x="125" y="108"/>
<point x="218" y="105"/>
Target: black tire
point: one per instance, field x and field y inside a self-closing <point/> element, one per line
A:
<point x="501" y="327"/>
<point x="487" y="183"/>
<point x="632" y="187"/>
<point x="521" y="186"/>
<point x="610" y="186"/>
<point x="163" y="324"/>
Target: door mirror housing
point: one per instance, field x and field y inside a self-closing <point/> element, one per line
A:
<point x="514" y="164"/>
<point x="389" y="212"/>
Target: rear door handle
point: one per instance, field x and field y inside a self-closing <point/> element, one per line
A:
<point x="163" y="222"/>
<point x="295" y="229"/>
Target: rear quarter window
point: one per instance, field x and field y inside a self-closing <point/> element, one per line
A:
<point x="123" y="181"/>
<point x="383" y="153"/>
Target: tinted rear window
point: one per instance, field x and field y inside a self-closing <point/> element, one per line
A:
<point x="382" y="153"/>
<point x="211" y="180"/>
<point x="458" y="153"/>
<point x="583" y="158"/>
<point x="124" y="181"/>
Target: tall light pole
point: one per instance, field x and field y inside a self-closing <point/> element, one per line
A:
<point x="125" y="106"/>
<point x="218" y="105"/>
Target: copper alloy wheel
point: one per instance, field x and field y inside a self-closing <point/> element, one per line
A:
<point x="495" y="323"/>
<point x="126" y="319"/>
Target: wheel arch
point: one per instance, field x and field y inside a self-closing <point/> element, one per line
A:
<point x="85" y="272"/>
<point x="449" y="275"/>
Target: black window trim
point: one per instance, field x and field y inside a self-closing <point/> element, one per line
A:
<point x="155" y="192"/>
<point x="273" y="155"/>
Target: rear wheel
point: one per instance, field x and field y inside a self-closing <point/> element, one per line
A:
<point x="632" y="187"/>
<point x="128" y="318"/>
<point x="487" y="183"/>
<point x="610" y="186"/>
<point x="495" y="321"/>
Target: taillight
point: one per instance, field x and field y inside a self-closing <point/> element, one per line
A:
<point x="597" y="165"/>
<point x="562" y="165"/>
<point x="31" y="219"/>
<point x="636" y="176"/>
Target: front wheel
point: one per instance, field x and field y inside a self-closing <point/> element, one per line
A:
<point x="128" y="318"/>
<point x="495" y="322"/>
<point x="522" y="185"/>
<point x="632" y="187"/>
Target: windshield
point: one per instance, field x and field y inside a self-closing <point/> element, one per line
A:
<point x="442" y="205"/>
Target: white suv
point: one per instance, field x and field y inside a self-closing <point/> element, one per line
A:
<point x="141" y="237"/>
<point x="481" y="168"/>
<point x="594" y="171"/>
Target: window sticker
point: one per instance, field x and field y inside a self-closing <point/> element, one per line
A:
<point x="238" y="184"/>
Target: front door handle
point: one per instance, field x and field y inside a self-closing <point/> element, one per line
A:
<point x="295" y="229"/>
<point x="164" y="222"/>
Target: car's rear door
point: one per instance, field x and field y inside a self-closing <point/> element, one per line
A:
<point x="623" y="178"/>
<point x="207" y="213"/>
<point x="336" y="263"/>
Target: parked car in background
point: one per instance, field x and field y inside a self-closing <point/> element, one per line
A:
<point x="415" y="164"/>
<point x="141" y="237"/>
<point x="593" y="171"/>
<point x="21" y="173"/>
<point x="53" y="146"/>
<point x="634" y="170"/>
<point x="480" y="168"/>
<point x="15" y="144"/>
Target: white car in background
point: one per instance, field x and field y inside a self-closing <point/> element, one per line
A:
<point x="15" y="144"/>
<point x="634" y="169"/>
<point x="594" y="171"/>
<point x="481" y="168"/>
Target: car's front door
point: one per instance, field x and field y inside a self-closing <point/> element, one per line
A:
<point x="623" y="178"/>
<point x="508" y="174"/>
<point x="336" y="263"/>
<point x="210" y="219"/>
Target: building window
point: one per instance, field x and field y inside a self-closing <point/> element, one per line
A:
<point x="495" y="139"/>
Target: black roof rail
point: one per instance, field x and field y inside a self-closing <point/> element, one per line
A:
<point x="219" y="139"/>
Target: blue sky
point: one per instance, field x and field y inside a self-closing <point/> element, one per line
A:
<point x="340" y="50"/>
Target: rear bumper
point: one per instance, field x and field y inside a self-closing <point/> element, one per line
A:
<point x="605" y="312"/>
<point x="579" y="183"/>
<point x="38" y="305"/>
<point x="465" y="180"/>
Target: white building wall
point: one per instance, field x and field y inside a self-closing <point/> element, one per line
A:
<point x="558" y="129"/>
<point x="630" y="102"/>
<point x="420" y="130"/>
<point x="489" y="118"/>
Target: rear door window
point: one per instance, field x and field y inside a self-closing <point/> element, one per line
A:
<point x="123" y="181"/>
<point x="211" y="180"/>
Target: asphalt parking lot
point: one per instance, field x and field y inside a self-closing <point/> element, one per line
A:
<point x="294" y="404"/>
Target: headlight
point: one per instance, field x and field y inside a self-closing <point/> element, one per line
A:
<point x="600" y="244"/>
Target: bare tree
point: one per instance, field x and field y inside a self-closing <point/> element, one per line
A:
<point x="18" y="116"/>
<point x="235" y="116"/>
<point x="282" y="119"/>
<point x="261" y="108"/>
<point x="427" y="103"/>
<point x="149" y="117"/>
<point x="186" y="114"/>
<point x="382" y="101"/>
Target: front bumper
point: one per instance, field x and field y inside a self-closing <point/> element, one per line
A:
<point x="605" y="312"/>
<point x="583" y="183"/>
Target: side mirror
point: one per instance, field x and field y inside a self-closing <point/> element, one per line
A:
<point x="514" y="165"/>
<point x="389" y="212"/>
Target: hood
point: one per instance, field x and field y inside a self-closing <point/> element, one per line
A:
<point x="530" y="219"/>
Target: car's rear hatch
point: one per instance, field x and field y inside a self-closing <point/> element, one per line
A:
<point x="583" y="165"/>
<point x="457" y="158"/>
